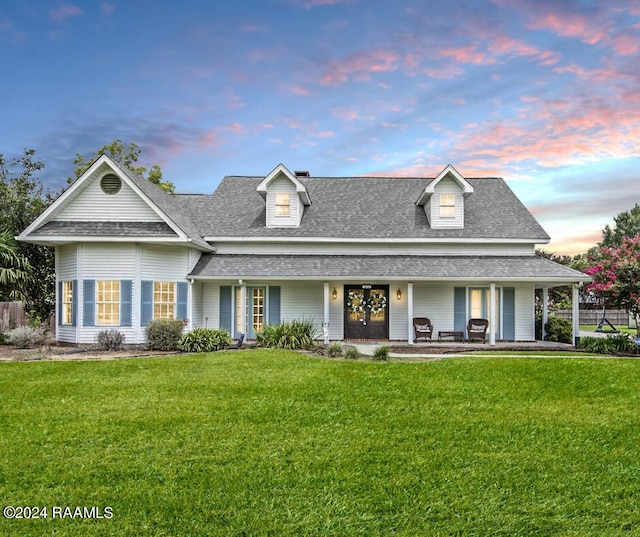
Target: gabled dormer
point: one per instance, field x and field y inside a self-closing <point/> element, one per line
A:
<point x="285" y="196"/>
<point x="443" y="199"/>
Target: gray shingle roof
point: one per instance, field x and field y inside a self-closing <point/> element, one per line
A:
<point x="362" y="207"/>
<point x="403" y="267"/>
<point x="73" y="227"/>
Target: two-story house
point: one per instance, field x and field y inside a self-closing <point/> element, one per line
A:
<point x="361" y="256"/>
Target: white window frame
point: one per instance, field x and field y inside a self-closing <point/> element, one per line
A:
<point x="282" y="204"/>
<point x="67" y="302"/>
<point x="163" y="290"/>
<point x="447" y="205"/>
<point x="108" y="310"/>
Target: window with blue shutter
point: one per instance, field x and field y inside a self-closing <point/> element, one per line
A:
<point x="125" y="303"/>
<point x="226" y="320"/>
<point x="181" y="302"/>
<point x="146" y="303"/>
<point x="274" y="305"/>
<point x="460" y="309"/>
<point x="88" y="302"/>
<point x="74" y="303"/>
<point x="509" y="313"/>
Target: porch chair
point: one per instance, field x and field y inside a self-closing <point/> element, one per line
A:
<point x="477" y="329"/>
<point x="422" y="327"/>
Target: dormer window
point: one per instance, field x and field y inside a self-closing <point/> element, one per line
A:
<point x="447" y="205"/>
<point x="285" y="197"/>
<point x="283" y="204"/>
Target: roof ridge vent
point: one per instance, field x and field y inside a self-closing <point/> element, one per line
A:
<point x="302" y="173"/>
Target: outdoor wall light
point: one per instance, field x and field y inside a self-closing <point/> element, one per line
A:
<point x="399" y="294"/>
<point x="335" y="293"/>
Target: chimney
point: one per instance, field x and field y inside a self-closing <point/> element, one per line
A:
<point x="302" y="173"/>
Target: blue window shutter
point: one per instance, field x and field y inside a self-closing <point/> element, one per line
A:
<point x="60" y="303"/>
<point x="125" y="302"/>
<point x="146" y="303"/>
<point x="509" y="313"/>
<point x="274" y="305"/>
<point x="460" y="308"/>
<point x="181" y="306"/>
<point x="225" y="307"/>
<point x="89" y="302"/>
<point x="74" y="302"/>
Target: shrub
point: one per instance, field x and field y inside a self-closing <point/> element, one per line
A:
<point x="110" y="340"/>
<point x="351" y="353"/>
<point x="335" y="350"/>
<point x="204" y="340"/>
<point x="296" y="334"/>
<point x="3" y="339"/>
<point x="164" y="334"/>
<point x="381" y="353"/>
<point x="558" y="329"/>
<point x="28" y="337"/>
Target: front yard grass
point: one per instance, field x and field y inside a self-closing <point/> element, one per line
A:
<point x="276" y="443"/>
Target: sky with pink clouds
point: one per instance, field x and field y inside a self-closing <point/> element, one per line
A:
<point x="545" y="93"/>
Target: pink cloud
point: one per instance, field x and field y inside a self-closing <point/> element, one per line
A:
<point x="349" y="115"/>
<point x="360" y="66"/>
<point x="625" y="44"/>
<point x="299" y="89"/>
<point x="570" y="25"/>
<point x="468" y="54"/>
<point x="503" y="44"/>
<point x="64" y="11"/>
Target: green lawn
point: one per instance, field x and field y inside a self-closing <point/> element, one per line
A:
<point x="275" y="443"/>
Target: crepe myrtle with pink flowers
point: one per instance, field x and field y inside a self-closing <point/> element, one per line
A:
<point x="616" y="276"/>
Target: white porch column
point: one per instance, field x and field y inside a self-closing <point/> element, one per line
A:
<point x="575" y="313"/>
<point x="493" y="321"/>
<point x="325" y="322"/>
<point x="410" y="313"/>
<point x="243" y="307"/>
<point x="545" y="310"/>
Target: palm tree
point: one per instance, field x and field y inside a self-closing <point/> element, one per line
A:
<point x="14" y="268"/>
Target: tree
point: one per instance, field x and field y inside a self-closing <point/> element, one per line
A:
<point x="627" y="224"/>
<point x="127" y="156"/>
<point x="14" y="268"/>
<point x="616" y="275"/>
<point x="22" y="200"/>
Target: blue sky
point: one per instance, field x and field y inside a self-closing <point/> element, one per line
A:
<point x="544" y="93"/>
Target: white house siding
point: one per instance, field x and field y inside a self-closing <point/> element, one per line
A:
<point x="300" y="300"/>
<point x="66" y="269"/>
<point x="435" y="301"/>
<point x="446" y="186"/>
<point x="197" y="306"/>
<point x="284" y="186"/>
<point x="92" y="204"/>
<point x="165" y="263"/>
<point x="397" y="312"/>
<point x="210" y="305"/>
<point x="525" y="314"/>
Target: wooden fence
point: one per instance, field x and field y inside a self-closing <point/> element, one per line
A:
<point x="615" y="317"/>
<point x="12" y="314"/>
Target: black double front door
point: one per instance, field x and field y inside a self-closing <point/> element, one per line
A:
<point x="366" y="311"/>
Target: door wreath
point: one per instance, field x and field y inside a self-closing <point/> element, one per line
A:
<point x="377" y="301"/>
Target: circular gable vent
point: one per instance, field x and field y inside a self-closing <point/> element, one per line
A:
<point x="110" y="183"/>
